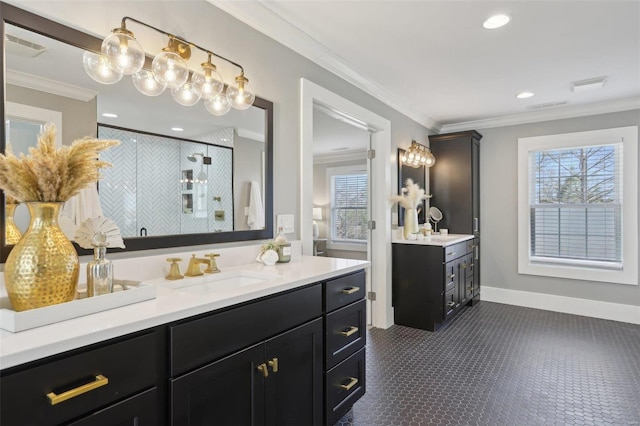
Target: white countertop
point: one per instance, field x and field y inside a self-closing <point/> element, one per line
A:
<point x="168" y="306"/>
<point x="436" y="240"/>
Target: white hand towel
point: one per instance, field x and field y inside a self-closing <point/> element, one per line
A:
<point x="82" y="206"/>
<point x="255" y="218"/>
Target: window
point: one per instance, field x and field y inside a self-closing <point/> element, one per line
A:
<point x="349" y="188"/>
<point x="578" y="205"/>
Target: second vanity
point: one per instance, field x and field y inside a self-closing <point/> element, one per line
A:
<point x="433" y="279"/>
<point x="261" y="345"/>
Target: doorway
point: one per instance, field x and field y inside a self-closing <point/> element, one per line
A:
<point x="380" y="188"/>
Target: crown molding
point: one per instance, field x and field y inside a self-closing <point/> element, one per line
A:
<point x="54" y="87"/>
<point x="338" y="158"/>
<point x="258" y="15"/>
<point x="548" y="115"/>
<point x="248" y="134"/>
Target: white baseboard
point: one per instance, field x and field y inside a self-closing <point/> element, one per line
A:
<point x="568" y="305"/>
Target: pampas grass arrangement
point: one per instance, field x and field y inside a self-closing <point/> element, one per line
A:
<point x="48" y="174"/>
<point x="411" y="195"/>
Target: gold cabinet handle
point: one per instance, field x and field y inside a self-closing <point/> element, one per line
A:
<point x="97" y="383"/>
<point x="263" y="369"/>
<point x="452" y="276"/>
<point x="451" y="304"/>
<point x="352" y="382"/>
<point x="470" y="288"/>
<point x="350" y="331"/>
<point x="451" y="253"/>
<point x="350" y="290"/>
<point x="274" y="365"/>
<point x="471" y="265"/>
<point x="464" y="265"/>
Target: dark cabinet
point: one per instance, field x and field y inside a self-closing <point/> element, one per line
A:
<point x="432" y="283"/>
<point x="138" y="410"/>
<point x="84" y="382"/>
<point x="276" y="382"/>
<point x="454" y="182"/>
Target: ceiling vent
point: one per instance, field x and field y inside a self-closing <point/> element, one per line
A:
<point x="589" y="84"/>
<point x="24" y="48"/>
<point x="547" y="105"/>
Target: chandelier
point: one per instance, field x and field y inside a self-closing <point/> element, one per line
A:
<point x="121" y="54"/>
<point x="418" y="155"/>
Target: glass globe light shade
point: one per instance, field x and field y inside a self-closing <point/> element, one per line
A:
<point x="170" y="69"/>
<point x="186" y="94"/>
<point x="431" y="160"/>
<point x="147" y="85"/>
<point x="218" y="106"/>
<point x="209" y="83"/>
<point x="98" y="67"/>
<point x="125" y="51"/>
<point x="241" y="95"/>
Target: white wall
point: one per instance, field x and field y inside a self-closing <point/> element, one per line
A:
<point x="499" y="215"/>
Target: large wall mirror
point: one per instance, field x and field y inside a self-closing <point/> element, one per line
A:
<point x="166" y="188"/>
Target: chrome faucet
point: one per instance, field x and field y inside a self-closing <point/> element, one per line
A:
<point x="194" y="269"/>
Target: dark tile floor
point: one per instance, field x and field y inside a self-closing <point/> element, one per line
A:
<point x="503" y="365"/>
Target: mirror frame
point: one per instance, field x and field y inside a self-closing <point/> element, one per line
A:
<point x="38" y="24"/>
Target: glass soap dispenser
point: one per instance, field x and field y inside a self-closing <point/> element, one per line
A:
<point x="284" y="247"/>
<point x="100" y="269"/>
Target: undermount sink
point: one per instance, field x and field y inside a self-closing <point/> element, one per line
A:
<point x="223" y="281"/>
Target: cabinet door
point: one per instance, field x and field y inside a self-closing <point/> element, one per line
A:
<point x="226" y="392"/>
<point x="476" y="268"/>
<point x="294" y="387"/>
<point x="475" y="186"/>
<point x="139" y="410"/>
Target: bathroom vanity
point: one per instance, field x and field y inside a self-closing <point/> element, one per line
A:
<point x="433" y="279"/>
<point x="280" y="345"/>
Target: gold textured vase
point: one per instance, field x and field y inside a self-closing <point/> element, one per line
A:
<point x="11" y="234"/>
<point x="42" y="268"/>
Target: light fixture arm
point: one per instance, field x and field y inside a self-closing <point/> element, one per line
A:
<point x="123" y="26"/>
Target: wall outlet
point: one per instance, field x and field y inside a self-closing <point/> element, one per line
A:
<point x="286" y="222"/>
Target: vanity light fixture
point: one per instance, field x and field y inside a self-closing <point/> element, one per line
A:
<point x="496" y="21"/>
<point x="121" y="54"/>
<point x="418" y="155"/>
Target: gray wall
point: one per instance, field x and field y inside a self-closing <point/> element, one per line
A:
<point x="499" y="211"/>
<point x="274" y="72"/>
<point x="78" y="117"/>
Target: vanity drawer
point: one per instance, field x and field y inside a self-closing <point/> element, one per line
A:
<point x="454" y="251"/>
<point x="345" y="384"/>
<point x="36" y="396"/>
<point x="344" y="290"/>
<point x="345" y="332"/>
<point x="200" y="341"/>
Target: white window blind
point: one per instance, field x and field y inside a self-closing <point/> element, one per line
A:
<point x="576" y="205"/>
<point x="349" y="207"/>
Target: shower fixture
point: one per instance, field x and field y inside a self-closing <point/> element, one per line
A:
<point x="193" y="157"/>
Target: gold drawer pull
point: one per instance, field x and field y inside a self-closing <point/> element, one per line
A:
<point x="452" y="276"/>
<point x="352" y="330"/>
<point x="451" y="304"/>
<point x="263" y="369"/>
<point x="56" y="399"/>
<point x="350" y="290"/>
<point x="471" y="265"/>
<point x="451" y="253"/>
<point x="274" y="365"/>
<point x="352" y="382"/>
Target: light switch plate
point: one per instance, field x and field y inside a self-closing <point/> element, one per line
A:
<point x="285" y="221"/>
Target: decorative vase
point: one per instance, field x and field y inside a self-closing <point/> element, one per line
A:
<point x="42" y="268"/>
<point x="12" y="233"/>
<point x="100" y="269"/>
<point x="410" y="222"/>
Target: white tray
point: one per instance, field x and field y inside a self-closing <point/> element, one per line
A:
<point x="133" y="292"/>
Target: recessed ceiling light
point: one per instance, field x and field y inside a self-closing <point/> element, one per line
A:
<point x="524" y="95"/>
<point x="496" y="21"/>
<point x="177" y="129"/>
<point x="110" y="115"/>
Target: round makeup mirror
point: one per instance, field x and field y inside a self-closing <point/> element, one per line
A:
<point x="436" y="216"/>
